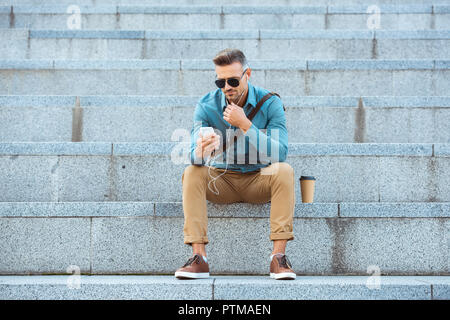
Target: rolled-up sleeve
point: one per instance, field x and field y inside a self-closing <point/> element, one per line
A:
<point x="274" y="138"/>
<point x="200" y="120"/>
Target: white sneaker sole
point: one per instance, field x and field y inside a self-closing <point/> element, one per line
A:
<point x="192" y="275"/>
<point x="283" y="276"/>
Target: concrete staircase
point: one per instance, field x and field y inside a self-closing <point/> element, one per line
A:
<point x="222" y="288"/>
<point x="94" y="134"/>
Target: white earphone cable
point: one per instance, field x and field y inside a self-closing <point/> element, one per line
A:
<point x="209" y="160"/>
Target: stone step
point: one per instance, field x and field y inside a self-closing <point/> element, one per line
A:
<point x="196" y="77"/>
<point x="146" y="171"/>
<point x="235" y="16"/>
<point x="147" y="237"/>
<point x="257" y="43"/>
<point x="155" y="118"/>
<point x="222" y="2"/>
<point x="225" y="288"/>
<point x="310" y="119"/>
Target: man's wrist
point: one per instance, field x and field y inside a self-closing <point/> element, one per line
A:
<point x="246" y="126"/>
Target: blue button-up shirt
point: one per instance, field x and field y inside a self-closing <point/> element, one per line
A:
<point x="265" y="142"/>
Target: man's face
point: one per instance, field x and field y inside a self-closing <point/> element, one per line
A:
<point x="233" y="70"/>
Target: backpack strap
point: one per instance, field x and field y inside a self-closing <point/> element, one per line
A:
<point x="267" y="96"/>
<point x="254" y="112"/>
<point x="259" y="105"/>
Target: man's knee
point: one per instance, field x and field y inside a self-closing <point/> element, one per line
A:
<point x="193" y="172"/>
<point x="282" y="170"/>
<point x="285" y="168"/>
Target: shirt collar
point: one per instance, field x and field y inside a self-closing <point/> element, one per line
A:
<point x="251" y="98"/>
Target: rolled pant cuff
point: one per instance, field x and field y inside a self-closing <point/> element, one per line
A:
<point x="282" y="236"/>
<point x="190" y="240"/>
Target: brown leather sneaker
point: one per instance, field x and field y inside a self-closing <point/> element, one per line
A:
<point x="194" y="268"/>
<point x="281" y="268"/>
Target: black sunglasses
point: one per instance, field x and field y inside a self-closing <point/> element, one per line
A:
<point x="234" y="82"/>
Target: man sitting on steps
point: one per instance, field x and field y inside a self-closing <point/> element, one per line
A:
<point x="226" y="109"/>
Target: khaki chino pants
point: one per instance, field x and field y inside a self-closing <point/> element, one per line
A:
<point x="274" y="183"/>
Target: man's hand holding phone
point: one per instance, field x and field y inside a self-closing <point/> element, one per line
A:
<point x="207" y="142"/>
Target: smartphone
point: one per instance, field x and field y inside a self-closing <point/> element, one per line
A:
<point x="206" y="131"/>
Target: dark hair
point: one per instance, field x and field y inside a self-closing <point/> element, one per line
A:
<point x="229" y="56"/>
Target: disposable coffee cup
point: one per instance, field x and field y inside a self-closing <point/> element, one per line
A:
<point x="307" y="188"/>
